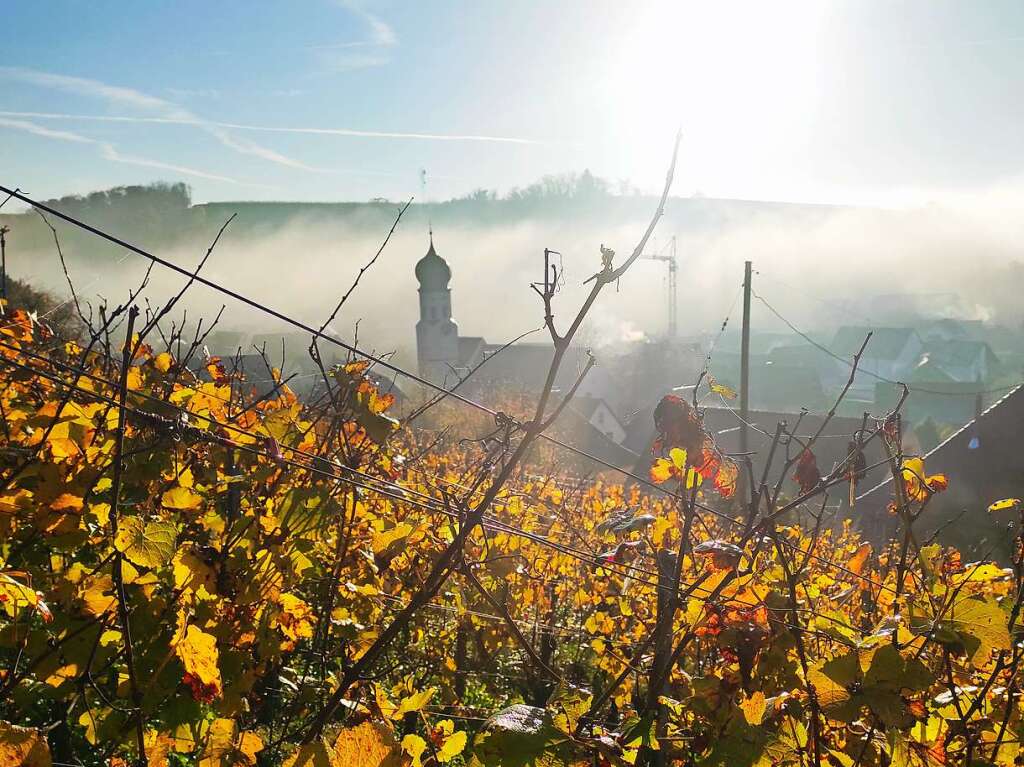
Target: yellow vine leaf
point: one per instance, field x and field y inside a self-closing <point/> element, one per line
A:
<point x="185" y="738"/>
<point x="226" y="746"/>
<point x="180" y="498"/>
<point x="679" y="457"/>
<point x="726" y="392"/>
<point x="1006" y="503"/>
<point x="102" y="513"/>
<point x="675" y="466"/>
<point x="63" y="674"/>
<point x="158" y="748"/>
<point x="383" y="540"/>
<point x="185" y="478"/>
<point x="146" y="544"/>
<point x="454" y="742"/>
<point x="15" y="595"/>
<point x="23" y="746"/>
<point x="983" y="620"/>
<point x="134" y="378"/>
<point x="856" y="564"/>
<point x="356" y="368"/>
<point x="66" y="502"/>
<point x="296" y="618"/>
<point x="453" y="746"/>
<point x="414" y="746"/>
<point x="662" y="525"/>
<point x="371" y="744"/>
<point x="661" y="471"/>
<point x="753" y="708"/>
<point x="62" y="447"/>
<point x="97" y="594"/>
<point x="110" y="637"/>
<point x="414" y="702"/>
<point x="199" y="656"/>
<point x="163" y="362"/>
<point x="980" y="574"/>
<point x="87" y="720"/>
<point x="316" y="754"/>
<point x="194" y="575"/>
<point x="920" y="486"/>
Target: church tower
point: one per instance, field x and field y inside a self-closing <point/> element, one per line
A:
<point x="437" y="336"/>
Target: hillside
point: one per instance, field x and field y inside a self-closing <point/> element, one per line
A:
<point x="163" y="215"/>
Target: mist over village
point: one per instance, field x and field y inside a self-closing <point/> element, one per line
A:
<point x="655" y="400"/>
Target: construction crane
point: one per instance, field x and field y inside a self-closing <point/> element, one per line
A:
<point x="673" y="266"/>
<point x="3" y="262"/>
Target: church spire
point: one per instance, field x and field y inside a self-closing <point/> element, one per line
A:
<point x="432" y="271"/>
<point x="437" y="335"/>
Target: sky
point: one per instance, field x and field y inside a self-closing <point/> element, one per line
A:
<point x="874" y="102"/>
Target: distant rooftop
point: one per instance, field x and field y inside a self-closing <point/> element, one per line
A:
<point x="885" y="343"/>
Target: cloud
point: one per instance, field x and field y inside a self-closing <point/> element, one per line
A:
<point x="359" y="54"/>
<point x="274" y="129"/>
<point x="347" y="60"/>
<point x="381" y="33"/>
<point x="108" y="151"/>
<point x="82" y="86"/>
<point x="194" y="93"/>
<point x="166" y="111"/>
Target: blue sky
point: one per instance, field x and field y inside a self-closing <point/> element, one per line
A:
<point x="880" y="102"/>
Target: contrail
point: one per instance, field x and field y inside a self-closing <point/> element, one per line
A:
<point x="133" y="99"/>
<point x="273" y="129"/>
<point x="109" y="152"/>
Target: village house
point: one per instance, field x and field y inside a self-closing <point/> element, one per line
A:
<point x="890" y="354"/>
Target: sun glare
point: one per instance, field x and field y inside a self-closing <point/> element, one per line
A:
<point x="740" y="79"/>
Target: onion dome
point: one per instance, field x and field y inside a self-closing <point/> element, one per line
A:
<point x="432" y="271"/>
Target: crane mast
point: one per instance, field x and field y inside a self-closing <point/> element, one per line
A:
<point x="673" y="267"/>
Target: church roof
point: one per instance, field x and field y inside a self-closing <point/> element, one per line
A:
<point x="469" y="348"/>
<point x="432" y="271"/>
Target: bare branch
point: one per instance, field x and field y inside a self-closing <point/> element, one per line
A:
<point x="366" y="267"/>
